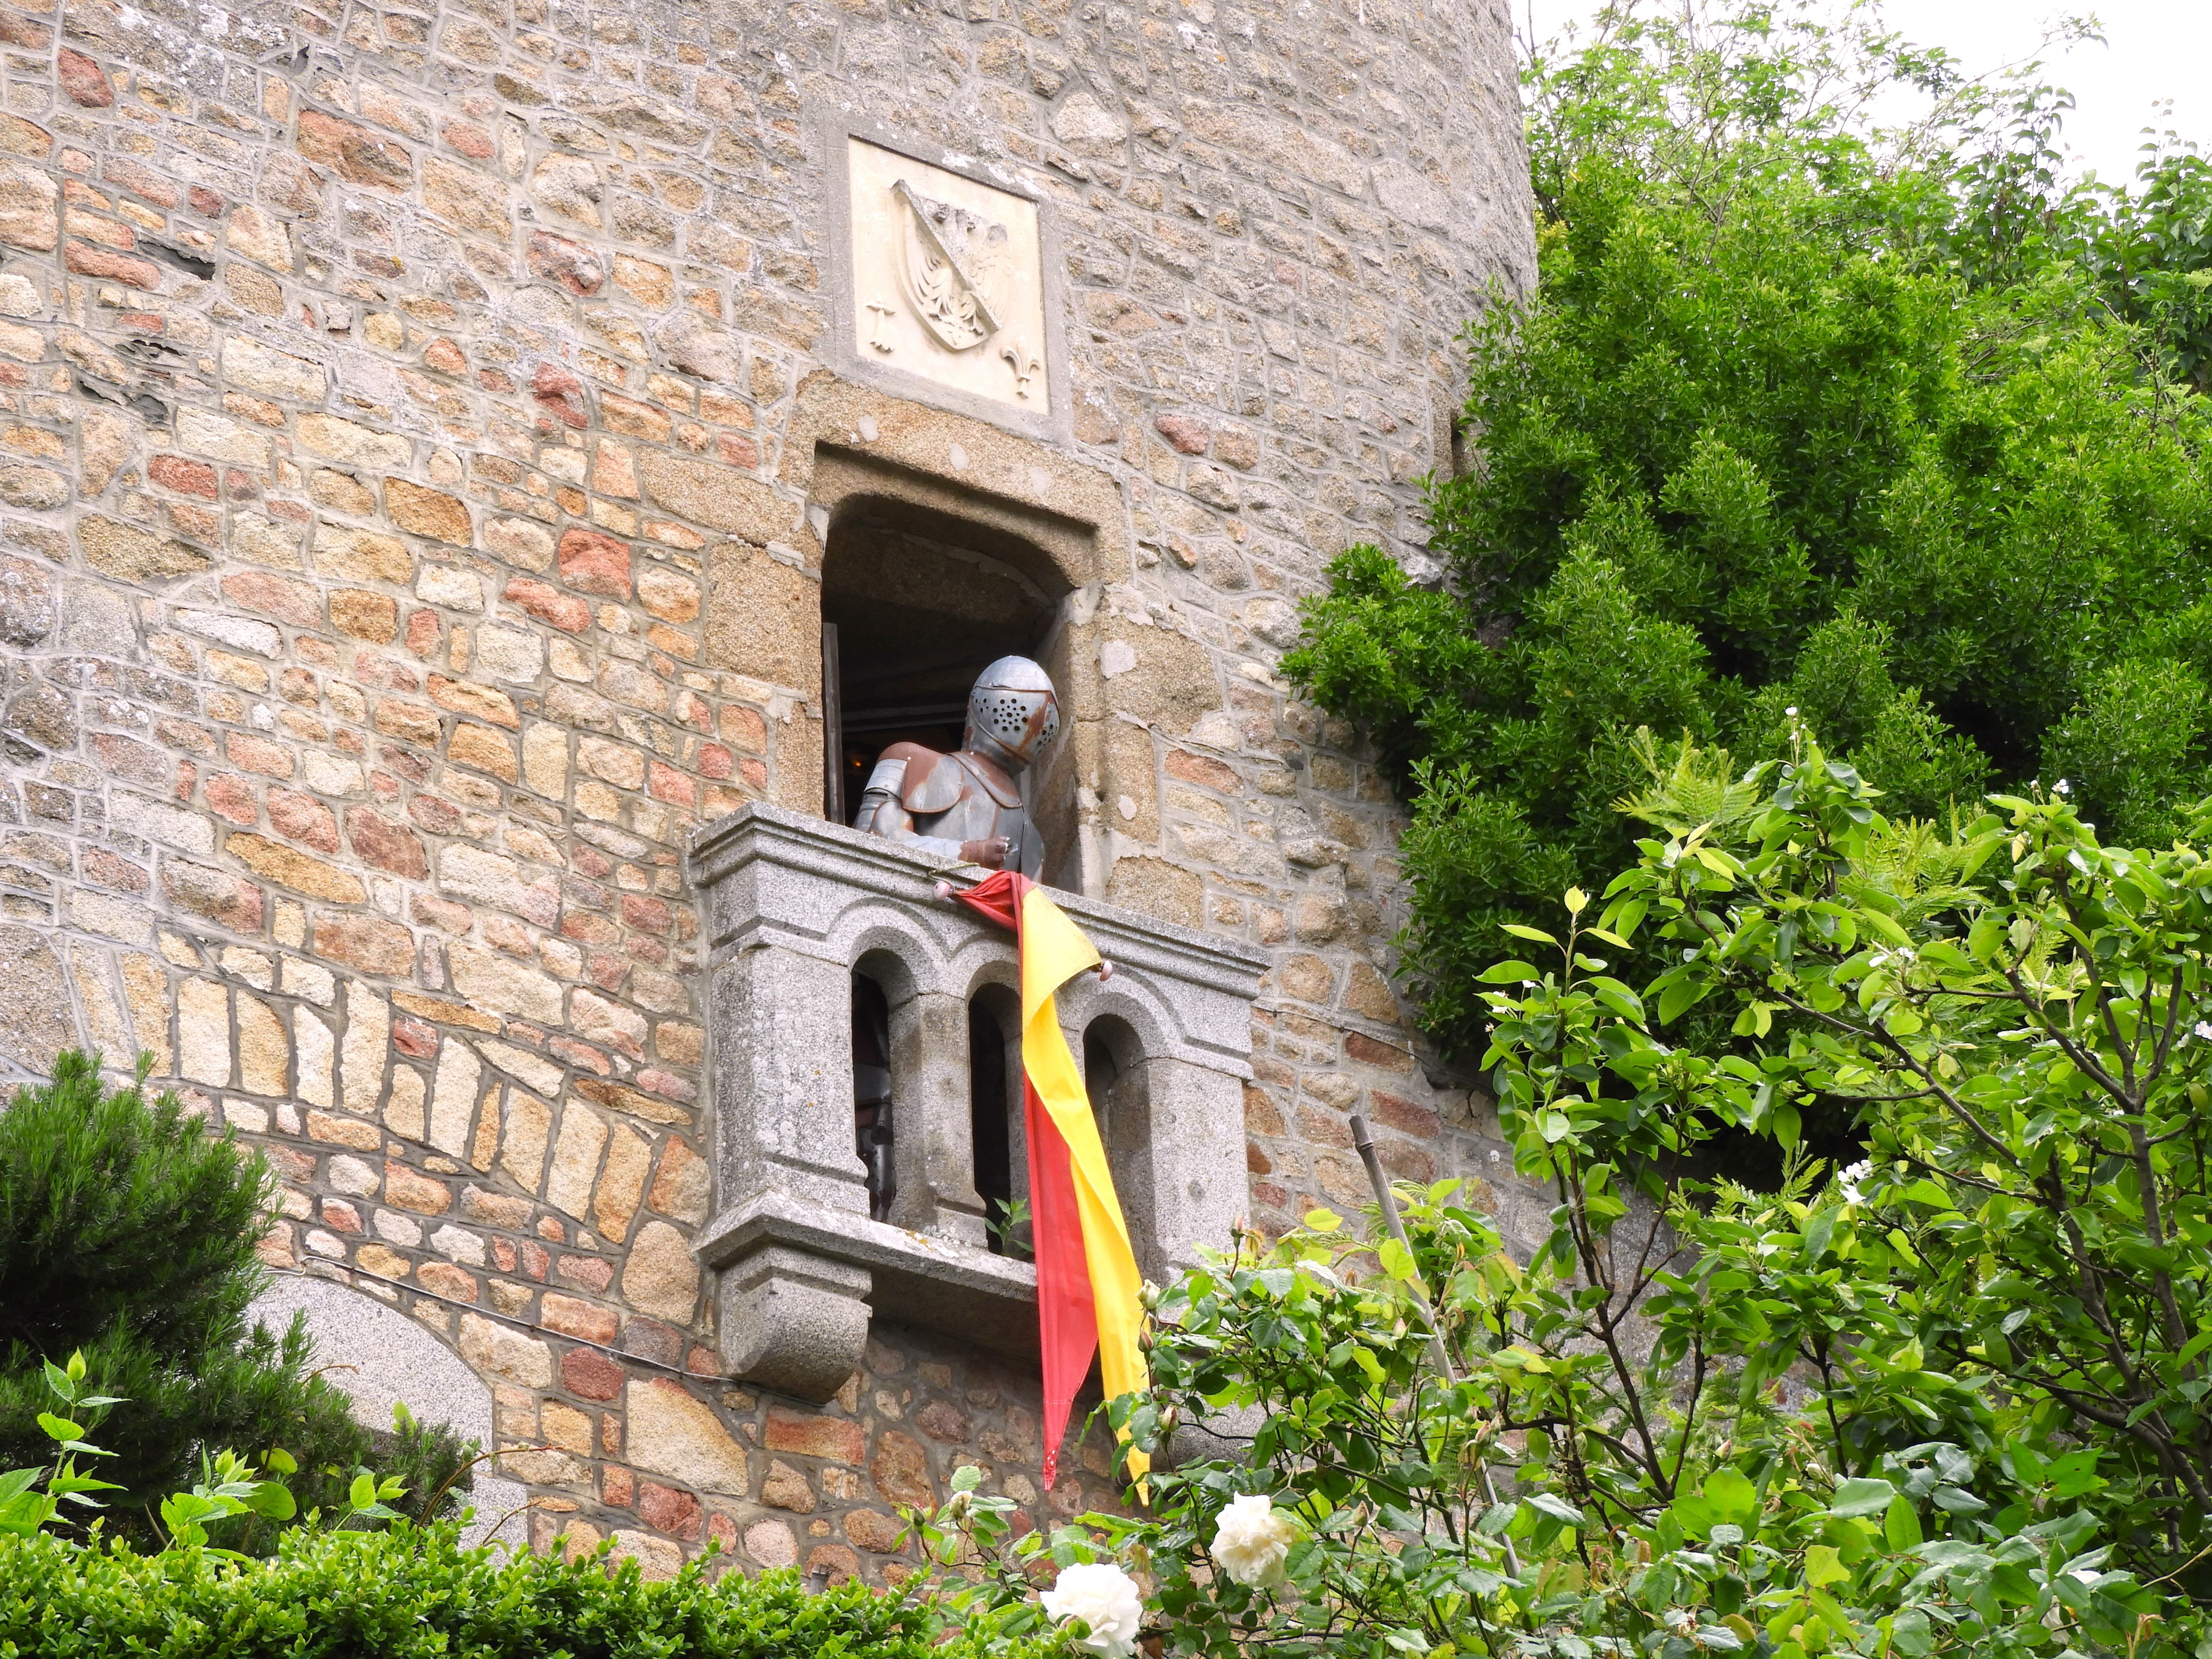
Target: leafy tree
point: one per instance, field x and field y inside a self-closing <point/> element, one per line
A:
<point x="128" y="1232"/>
<point x="1766" y="437"/>
<point x="1952" y="1399"/>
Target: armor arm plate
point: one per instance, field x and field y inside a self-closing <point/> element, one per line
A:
<point x="884" y="813"/>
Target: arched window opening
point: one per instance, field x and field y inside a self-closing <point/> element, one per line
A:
<point x="1114" y="1077"/>
<point x="914" y="605"/>
<point x="995" y="1106"/>
<point x="871" y="1092"/>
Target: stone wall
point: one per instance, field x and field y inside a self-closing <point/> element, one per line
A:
<point x="408" y="420"/>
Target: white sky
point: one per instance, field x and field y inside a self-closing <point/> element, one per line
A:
<point x="2156" y="51"/>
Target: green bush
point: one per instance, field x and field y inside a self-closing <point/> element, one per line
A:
<point x="416" y="1591"/>
<point x="127" y="1233"/>
<point x="1777" y="430"/>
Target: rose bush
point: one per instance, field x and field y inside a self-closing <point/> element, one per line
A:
<point x="1952" y="1399"/>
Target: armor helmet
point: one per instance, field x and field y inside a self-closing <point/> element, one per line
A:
<point x="1013" y="711"/>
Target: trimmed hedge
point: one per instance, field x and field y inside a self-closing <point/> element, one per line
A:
<point x="415" y="1591"/>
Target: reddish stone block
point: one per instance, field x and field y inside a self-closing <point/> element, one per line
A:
<point x="298" y="816"/>
<point x="84" y="80"/>
<point x="1189" y="436"/>
<point x="87" y="260"/>
<point x="414" y="1038"/>
<point x="222" y="897"/>
<point x="185" y="477"/>
<point x="357" y="154"/>
<point x="666" y="1509"/>
<point x="256" y="754"/>
<point x="387" y="845"/>
<point x="574" y="266"/>
<point x="549" y="604"/>
<point x="589" y="1375"/>
<point x="282" y="596"/>
<point x="561" y="393"/>
<point x="835" y="1437"/>
<point x="231" y="797"/>
<point x="572" y="1317"/>
<point x="595" y="563"/>
<point x="664" y="782"/>
<point x="367" y="943"/>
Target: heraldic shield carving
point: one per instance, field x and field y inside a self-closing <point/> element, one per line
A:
<point x="947" y="277"/>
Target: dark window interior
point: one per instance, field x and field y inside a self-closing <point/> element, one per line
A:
<point x="914" y="605"/>
<point x="990" y="1099"/>
<point x="871" y="1092"/>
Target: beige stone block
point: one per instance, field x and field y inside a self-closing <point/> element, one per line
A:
<point x="203" y="1032"/>
<point x="103" y="1014"/>
<point x="30" y="209"/>
<point x="538" y="1072"/>
<point x="622" y="1182"/>
<point x="311" y="1039"/>
<point x="770" y="1543"/>
<point x="107" y="441"/>
<point x="522" y="1146"/>
<point x="453" y="1096"/>
<point x="467" y="199"/>
<point x="146" y="990"/>
<point x="545" y="759"/>
<point x="682" y="1186"/>
<point x="720" y="497"/>
<point x="250" y="366"/>
<point x="354" y="444"/>
<point x="259" y="236"/>
<point x="361" y="555"/>
<point x="597" y="1019"/>
<point x="403" y="1108"/>
<point x="483" y="1150"/>
<point x="672" y="1433"/>
<point x="566" y="1427"/>
<point x="658" y="1558"/>
<point x="495" y="980"/>
<point x="289" y="868"/>
<point x="500" y="1350"/>
<point x="265" y="1052"/>
<point x="661" y="1277"/>
<point x="482" y="748"/>
<point x="576" y="1160"/>
<point x="368" y="1036"/>
<point x="131" y="555"/>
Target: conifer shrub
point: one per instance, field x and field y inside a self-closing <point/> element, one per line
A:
<point x="127" y="1232"/>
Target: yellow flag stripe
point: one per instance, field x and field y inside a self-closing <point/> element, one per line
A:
<point x="1053" y="951"/>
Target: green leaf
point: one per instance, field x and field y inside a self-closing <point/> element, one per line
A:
<point x="1558" y="1508"/>
<point x="1510" y="973"/>
<point x="1397" y="1260"/>
<point x="1900" y="1525"/>
<point x="1824" y="1567"/>
<point x="1733" y="1496"/>
<point x="1864" y="1495"/>
<point x="1537" y="934"/>
<point x="60" y="1428"/>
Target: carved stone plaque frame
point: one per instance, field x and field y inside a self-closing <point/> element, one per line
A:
<point x="967" y="244"/>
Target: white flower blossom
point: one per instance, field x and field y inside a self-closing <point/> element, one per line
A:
<point x="1252" y="1540"/>
<point x="1104" y="1597"/>
<point x="2203" y="1030"/>
<point x="1851" y="1176"/>
<point x="2062" y="787"/>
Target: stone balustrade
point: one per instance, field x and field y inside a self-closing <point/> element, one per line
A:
<point x="795" y="907"/>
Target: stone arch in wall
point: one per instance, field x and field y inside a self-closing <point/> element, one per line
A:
<point x="381" y="1357"/>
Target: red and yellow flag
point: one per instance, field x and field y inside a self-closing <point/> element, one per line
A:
<point x="1087" y="1279"/>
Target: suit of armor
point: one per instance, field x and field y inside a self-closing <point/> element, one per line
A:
<point x="967" y="804"/>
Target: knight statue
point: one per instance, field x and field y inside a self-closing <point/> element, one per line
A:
<point x="967" y="804"/>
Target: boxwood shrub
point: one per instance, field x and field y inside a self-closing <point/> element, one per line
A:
<point x="416" y="1591"/>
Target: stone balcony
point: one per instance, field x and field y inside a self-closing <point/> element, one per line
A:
<point x="796" y="908"/>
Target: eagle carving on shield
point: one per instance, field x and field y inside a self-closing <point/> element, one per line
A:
<point x="955" y="268"/>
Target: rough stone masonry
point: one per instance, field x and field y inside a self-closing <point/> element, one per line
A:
<point x="408" y="428"/>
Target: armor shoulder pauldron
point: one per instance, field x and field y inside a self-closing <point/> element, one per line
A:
<point x="931" y="785"/>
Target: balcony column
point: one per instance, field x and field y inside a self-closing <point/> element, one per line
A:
<point x="933" y="1136"/>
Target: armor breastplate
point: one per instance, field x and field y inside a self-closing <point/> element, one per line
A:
<point x="951" y="800"/>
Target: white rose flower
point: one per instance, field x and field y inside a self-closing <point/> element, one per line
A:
<point x="1252" y="1540"/>
<point x="1104" y="1597"/>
